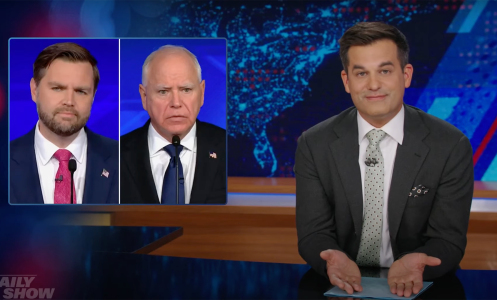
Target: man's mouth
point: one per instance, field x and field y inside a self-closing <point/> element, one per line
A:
<point x="375" y="97"/>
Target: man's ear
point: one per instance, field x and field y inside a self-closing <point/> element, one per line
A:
<point x="345" y="79"/>
<point x="32" y="87"/>
<point x="202" y="91"/>
<point x="408" y="70"/>
<point x="143" y="95"/>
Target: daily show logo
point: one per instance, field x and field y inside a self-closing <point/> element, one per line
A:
<point x="19" y="287"/>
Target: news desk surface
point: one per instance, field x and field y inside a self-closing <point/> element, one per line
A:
<point x="82" y="262"/>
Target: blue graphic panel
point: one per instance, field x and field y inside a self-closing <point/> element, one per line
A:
<point x="104" y="118"/>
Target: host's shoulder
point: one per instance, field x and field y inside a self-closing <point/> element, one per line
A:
<point x="325" y="128"/>
<point x="439" y="129"/>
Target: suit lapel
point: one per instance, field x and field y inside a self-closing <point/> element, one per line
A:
<point x="204" y="166"/>
<point x="138" y="158"/>
<point x="26" y="171"/>
<point x="408" y="160"/>
<point x="97" y="186"/>
<point x="345" y="151"/>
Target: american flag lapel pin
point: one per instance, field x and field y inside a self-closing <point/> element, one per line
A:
<point x="212" y="155"/>
<point x="105" y="173"/>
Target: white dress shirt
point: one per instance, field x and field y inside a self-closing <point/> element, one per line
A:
<point x="48" y="165"/>
<point x="394" y="135"/>
<point x="159" y="159"/>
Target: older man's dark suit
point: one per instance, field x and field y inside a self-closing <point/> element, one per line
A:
<point x="102" y="153"/>
<point x="209" y="183"/>
<point x="329" y="194"/>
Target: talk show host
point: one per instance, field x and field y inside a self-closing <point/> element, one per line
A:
<point x="172" y="92"/>
<point x="65" y="79"/>
<point x="382" y="184"/>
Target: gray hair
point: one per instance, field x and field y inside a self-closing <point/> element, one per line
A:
<point x="172" y="49"/>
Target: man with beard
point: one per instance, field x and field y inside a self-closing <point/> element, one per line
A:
<point x="65" y="79"/>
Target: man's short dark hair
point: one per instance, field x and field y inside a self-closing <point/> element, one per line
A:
<point x="70" y="52"/>
<point x="366" y="33"/>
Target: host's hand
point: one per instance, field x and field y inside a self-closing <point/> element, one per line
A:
<point x="342" y="271"/>
<point x="405" y="276"/>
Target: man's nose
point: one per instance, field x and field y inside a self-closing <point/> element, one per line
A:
<point x="374" y="83"/>
<point x="175" y="99"/>
<point x="69" y="98"/>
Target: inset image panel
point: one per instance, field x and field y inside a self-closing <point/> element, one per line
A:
<point x="64" y="121"/>
<point x="173" y="105"/>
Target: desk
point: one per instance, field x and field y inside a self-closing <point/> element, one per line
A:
<point x="69" y="260"/>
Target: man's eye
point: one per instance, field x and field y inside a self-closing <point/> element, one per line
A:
<point x="162" y="92"/>
<point x="81" y="92"/>
<point x="361" y="74"/>
<point x="56" y="88"/>
<point x="385" y="72"/>
<point x="187" y="90"/>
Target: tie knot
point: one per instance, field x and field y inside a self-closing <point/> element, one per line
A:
<point x="375" y="136"/>
<point x="62" y="155"/>
<point x="171" y="151"/>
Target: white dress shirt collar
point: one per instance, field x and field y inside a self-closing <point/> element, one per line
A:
<point x="394" y="128"/>
<point x="47" y="149"/>
<point x="157" y="142"/>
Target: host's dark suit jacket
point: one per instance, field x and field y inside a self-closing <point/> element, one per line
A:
<point x="209" y="183"/>
<point x="102" y="153"/>
<point x="329" y="193"/>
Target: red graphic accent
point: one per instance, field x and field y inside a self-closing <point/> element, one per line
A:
<point x="485" y="142"/>
<point x="267" y="78"/>
<point x="366" y="9"/>
<point x="351" y="9"/>
<point x="245" y="71"/>
<point x="305" y="48"/>
<point x="366" y="17"/>
<point x="335" y="10"/>
<point x="344" y="9"/>
<point x="389" y="8"/>
<point x="252" y="79"/>
<point x="470" y="6"/>
<point x="313" y="48"/>
<point x="282" y="71"/>
<point x="406" y="8"/>
<point x="237" y="71"/>
<point x="297" y="49"/>
<point x="260" y="79"/>
<point x="237" y="78"/>
<point x="267" y="71"/>
<point x="252" y="86"/>
<point x="358" y="9"/>
<point x="245" y="79"/>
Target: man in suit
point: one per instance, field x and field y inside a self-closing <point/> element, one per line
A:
<point x="382" y="184"/>
<point x="65" y="79"/>
<point x="172" y="92"/>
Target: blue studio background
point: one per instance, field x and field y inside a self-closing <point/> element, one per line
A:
<point x="211" y="55"/>
<point x="283" y="77"/>
<point x="104" y="118"/>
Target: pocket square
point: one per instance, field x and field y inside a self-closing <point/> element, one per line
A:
<point x="418" y="191"/>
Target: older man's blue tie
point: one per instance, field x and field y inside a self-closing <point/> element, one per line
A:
<point x="169" y="184"/>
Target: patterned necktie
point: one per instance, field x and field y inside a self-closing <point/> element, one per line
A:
<point x="169" y="184"/>
<point x="369" y="248"/>
<point x="62" y="193"/>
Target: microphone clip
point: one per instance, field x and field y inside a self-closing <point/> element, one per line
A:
<point x="371" y="162"/>
<point x="59" y="179"/>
